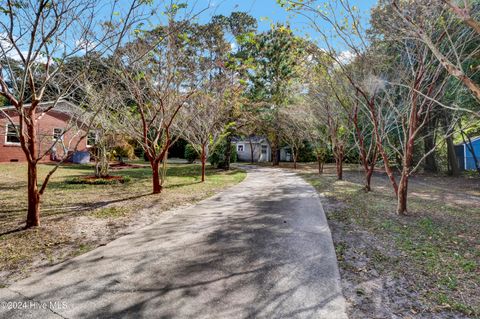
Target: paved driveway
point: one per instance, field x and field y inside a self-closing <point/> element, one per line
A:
<point x="261" y="249"/>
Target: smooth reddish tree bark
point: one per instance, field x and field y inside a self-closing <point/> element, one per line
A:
<point x="413" y="129"/>
<point x="33" y="213"/>
<point x="368" y="158"/>
<point x="157" y="187"/>
<point x="203" y="158"/>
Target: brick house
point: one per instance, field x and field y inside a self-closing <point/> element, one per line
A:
<point x="58" y="132"/>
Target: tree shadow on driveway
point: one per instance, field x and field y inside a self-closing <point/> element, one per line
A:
<point x="262" y="250"/>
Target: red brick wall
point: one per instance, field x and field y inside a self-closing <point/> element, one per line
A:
<point x="45" y="125"/>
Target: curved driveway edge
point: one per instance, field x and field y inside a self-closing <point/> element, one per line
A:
<point x="260" y="249"/>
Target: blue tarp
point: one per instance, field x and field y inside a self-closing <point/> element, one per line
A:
<point x="81" y="157"/>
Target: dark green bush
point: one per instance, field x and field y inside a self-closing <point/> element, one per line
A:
<point x="190" y="153"/>
<point x="217" y="157"/>
<point x="306" y="153"/>
<point x="177" y="150"/>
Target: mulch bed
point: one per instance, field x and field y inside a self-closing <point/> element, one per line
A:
<point x="108" y="178"/>
<point x="118" y="166"/>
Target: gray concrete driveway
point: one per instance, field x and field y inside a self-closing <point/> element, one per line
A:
<point x="261" y="249"/>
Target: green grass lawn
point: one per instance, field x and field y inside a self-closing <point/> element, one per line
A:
<point x="76" y="218"/>
<point x="434" y="252"/>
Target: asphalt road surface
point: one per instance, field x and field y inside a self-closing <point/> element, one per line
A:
<point x="261" y="249"/>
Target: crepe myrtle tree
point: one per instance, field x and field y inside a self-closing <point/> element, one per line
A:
<point x="335" y="120"/>
<point x="343" y="72"/>
<point x="202" y="122"/>
<point x="293" y="123"/>
<point x="158" y="71"/>
<point x="205" y="117"/>
<point x="37" y="38"/>
<point x="410" y="75"/>
<point x="330" y="110"/>
<point x="251" y="128"/>
<point x="446" y="40"/>
<point x="335" y="107"/>
<point x="315" y="134"/>
<point x="412" y="87"/>
<point x="454" y="45"/>
<point x="465" y="12"/>
<point x="354" y="107"/>
<point x="104" y="128"/>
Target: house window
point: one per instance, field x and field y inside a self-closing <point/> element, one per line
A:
<point x="240" y="148"/>
<point x="12" y="137"/>
<point x="57" y="134"/>
<point x="91" y="138"/>
<point x="264" y="149"/>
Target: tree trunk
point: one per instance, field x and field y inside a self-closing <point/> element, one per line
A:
<point x="370" y="169"/>
<point x="203" y="158"/>
<point x="430" y="164"/>
<point x="469" y="147"/>
<point x="320" y="164"/>
<point x="452" y="157"/>
<point x="251" y="150"/>
<point x="29" y="146"/>
<point x="402" y="193"/>
<point x="274" y="154"/>
<point x="33" y="214"/>
<point x="102" y="165"/>
<point x="276" y="151"/>
<point x="338" y="154"/>
<point x="380" y="149"/>
<point x="453" y="168"/>
<point x="339" y="170"/>
<point x="294" y="154"/>
<point x="368" y="180"/>
<point x="228" y="153"/>
<point x="430" y="161"/>
<point x="339" y="167"/>
<point x="157" y="188"/>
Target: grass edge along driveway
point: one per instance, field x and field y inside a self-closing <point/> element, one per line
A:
<point x="78" y="218"/>
<point x="426" y="263"/>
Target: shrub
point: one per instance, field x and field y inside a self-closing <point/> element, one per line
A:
<point x="306" y="153"/>
<point x="178" y="149"/>
<point x="123" y="150"/>
<point x="217" y="157"/>
<point x="190" y="153"/>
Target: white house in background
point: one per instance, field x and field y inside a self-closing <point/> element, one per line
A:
<point x="255" y="147"/>
<point x="286" y="154"/>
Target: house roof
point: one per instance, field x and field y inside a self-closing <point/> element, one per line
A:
<point x="62" y="106"/>
<point x="252" y="139"/>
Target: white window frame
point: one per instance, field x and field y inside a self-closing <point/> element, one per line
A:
<point x="262" y="148"/>
<point x="62" y="134"/>
<point x="6" y="135"/>
<point x="96" y="137"/>
<point x="242" y="146"/>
